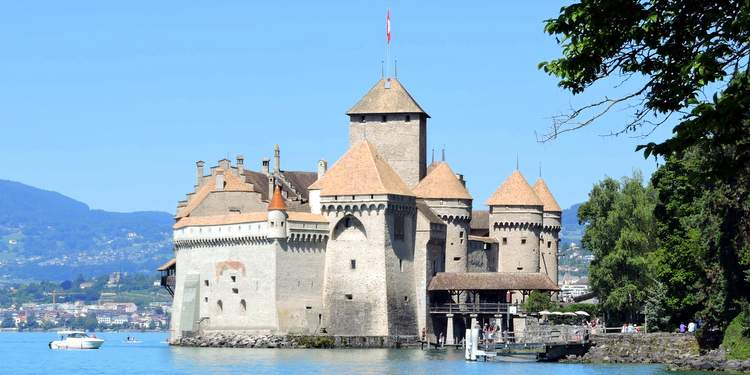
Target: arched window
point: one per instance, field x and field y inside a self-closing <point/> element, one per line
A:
<point x="243" y="306"/>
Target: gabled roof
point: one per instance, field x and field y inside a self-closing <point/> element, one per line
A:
<point x="491" y="281"/>
<point x="277" y="202"/>
<point x="387" y="96"/>
<point x="515" y="191"/>
<point x="542" y="191"/>
<point x="441" y="182"/>
<point x="361" y="171"/>
<point x="169" y="264"/>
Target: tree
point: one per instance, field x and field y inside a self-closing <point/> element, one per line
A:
<point x="678" y="47"/>
<point x="537" y="301"/>
<point x="620" y="233"/>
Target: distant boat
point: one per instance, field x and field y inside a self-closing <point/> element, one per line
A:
<point x="132" y="340"/>
<point x="75" y="340"/>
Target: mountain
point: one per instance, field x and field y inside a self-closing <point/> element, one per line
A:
<point x="46" y="235"/>
<point x="571" y="231"/>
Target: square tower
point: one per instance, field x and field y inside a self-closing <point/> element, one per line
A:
<point x="391" y="120"/>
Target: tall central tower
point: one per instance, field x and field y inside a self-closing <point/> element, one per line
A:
<point x="391" y="120"/>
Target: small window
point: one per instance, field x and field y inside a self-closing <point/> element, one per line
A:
<point x="219" y="306"/>
<point x="352" y="197"/>
<point x="353" y="264"/>
<point x="205" y="282"/>
<point x="549" y="244"/>
<point x="235" y="291"/>
<point x="308" y="307"/>
<point x="384" y="118"/>
<point x="205" y="299"/>
<point x="519" y="268"/>
<point x="399" y="227"/>
<point x="408" y="118"/>
<point x="461" y="234"/>
<point x="523" y="241"/>
<point x="243" y="305"/>
<point x="505" y="240"/>
<point x="234" y="279"/>
<point x="234" y="210"/>
<point x="401" y="265"/>
<point x="456" y="259"/>
<point x="406" y="298"/>
<point x="361" y="118"/>
<point x="348" y="296"/>
<point x="347" y="222"/>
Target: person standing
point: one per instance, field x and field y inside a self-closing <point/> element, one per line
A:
<point x="682" y="327"/>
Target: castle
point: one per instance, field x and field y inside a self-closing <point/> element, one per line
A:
<point x="381" y="244"/>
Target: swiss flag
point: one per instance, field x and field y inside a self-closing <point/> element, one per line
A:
<point x="388" y="26"/>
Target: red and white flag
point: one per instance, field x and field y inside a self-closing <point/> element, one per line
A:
<point x="388" y="26"/>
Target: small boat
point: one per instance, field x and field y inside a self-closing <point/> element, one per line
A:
<point x="132" y="340"/>
<point x="75" y="340"/>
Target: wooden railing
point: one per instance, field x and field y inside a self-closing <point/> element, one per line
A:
<point x="168" y="282"/>
<point x="473" y="308"/>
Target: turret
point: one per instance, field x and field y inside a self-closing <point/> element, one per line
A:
<point x="445" y="193"/>
<point x="550" y="238"/>
<point x="277" y="225"/>
<point x="516" y="223"/>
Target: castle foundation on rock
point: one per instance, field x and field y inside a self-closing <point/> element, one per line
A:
<point x="380" y="244"/>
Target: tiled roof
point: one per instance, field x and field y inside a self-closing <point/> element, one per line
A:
<point x="515" y="191"/>
<point x="480" y="220"/>
<point x="226" y="219"/>
<point x="491" y="281"/>
<point x="167" y="265"/>
<point x="441" y="182"/>
<point x="387" y="96"/>
<point x="542" y="191"/>
<point x="306" y="217"/>
<point x="361" y="171"/>
<point x="277" y="202"/>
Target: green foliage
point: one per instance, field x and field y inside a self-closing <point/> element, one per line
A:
<point x="537" y="301"/>
<point x="680" y="47"/>
<point x="736" y="338"/>
<point x="320" y="342"/>
<point x="620" y="231"/>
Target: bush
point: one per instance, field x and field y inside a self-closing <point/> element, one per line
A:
<point x="736" y="340"/>
<point x="319" y="342"/>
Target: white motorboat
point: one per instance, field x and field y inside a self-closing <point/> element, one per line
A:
<point x="75" y="340"/>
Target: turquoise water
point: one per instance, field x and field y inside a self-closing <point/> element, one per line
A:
<point x="27" y="353"/>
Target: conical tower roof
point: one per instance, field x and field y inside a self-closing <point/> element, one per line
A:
<point x="542" y="191"/>
<point x="277" y="202"/>
<point x="361" y="171"/>
<point x="515" y="191"/>
<point x="387" y="96"/>
<point x="441" y="182"/>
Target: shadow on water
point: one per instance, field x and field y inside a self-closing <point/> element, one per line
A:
<point x="27" y="353"/>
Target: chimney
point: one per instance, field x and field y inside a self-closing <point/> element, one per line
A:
<point x="198" y="172"/>
<point x="276" y="159"/>
<point x="460" y="177"/>
<point x="322" y="168"/>
<point x="240" y="165"/>
<point x="271" y="184"/>
<point x="265" y="166"/>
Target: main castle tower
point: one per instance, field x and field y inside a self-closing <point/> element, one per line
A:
<point x="391" y="120"/>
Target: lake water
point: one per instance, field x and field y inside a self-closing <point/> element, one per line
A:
<point x="27" y="353"/>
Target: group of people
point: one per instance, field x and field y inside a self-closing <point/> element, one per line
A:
<point x="630" y="328"/>
<point x="489" y="332"/>
<point x="691" y="327"/>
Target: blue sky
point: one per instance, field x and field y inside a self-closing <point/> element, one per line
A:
<point x="112" y="103"/>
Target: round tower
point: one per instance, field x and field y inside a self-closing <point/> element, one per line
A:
<point x="550" y="239"/>
<point x="516" y="218"/>
<point x="277" y="225"/>
<point x="445" y="193"/>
